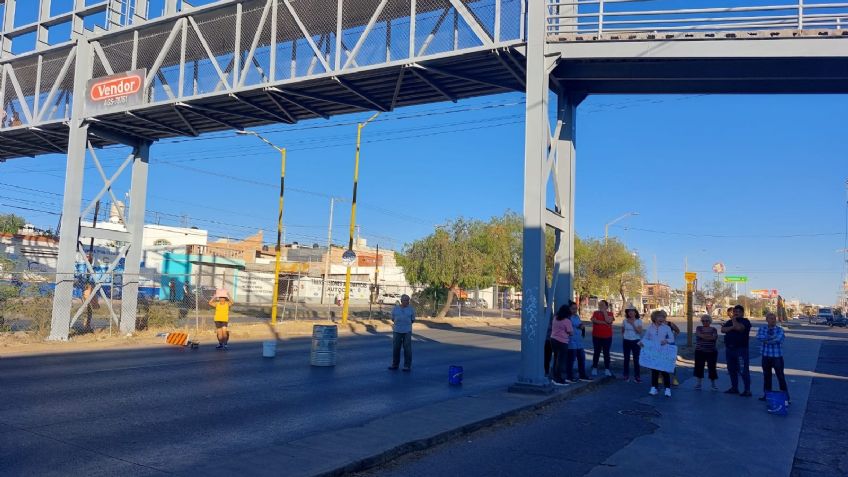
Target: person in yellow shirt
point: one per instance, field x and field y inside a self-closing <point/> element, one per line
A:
<point x="221" y="303"/>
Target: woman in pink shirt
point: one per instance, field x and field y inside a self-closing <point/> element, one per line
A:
<point x="561" y="331"/>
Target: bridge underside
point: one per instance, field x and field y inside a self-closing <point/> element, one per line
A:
<point x="796" y="66"/>
<point x="440" y="79"/>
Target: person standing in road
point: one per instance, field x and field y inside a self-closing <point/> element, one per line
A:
<point x="575" y="346"/>
<point x="771" y="336"/>
<point x="602" y="320"/>
<point x="221" y="303"/>
<point x="561" y="330"/>
<point x="705" y="351"/>
<point x="403" y="316"/>
<point x="737" y="331"/>
<point x="659" y="332"/>
<point x="631" y="331"/>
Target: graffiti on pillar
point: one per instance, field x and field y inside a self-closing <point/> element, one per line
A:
<point x="530" y="317"/>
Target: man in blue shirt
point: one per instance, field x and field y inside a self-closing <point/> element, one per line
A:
<point x="403" y="316"/>
<point x="771" y="336"/>
<point x="736" y="331"/>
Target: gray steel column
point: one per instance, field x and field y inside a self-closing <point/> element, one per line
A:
<point x="536" y="134"/>
<point x="71" y="206"/>
<point x="135" y="227"/>
<point x="565" y="167"/>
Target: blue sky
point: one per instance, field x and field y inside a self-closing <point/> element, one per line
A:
<point x="734" y="179"/>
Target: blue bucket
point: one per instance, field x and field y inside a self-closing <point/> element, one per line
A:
<point x="776" y="401"/>
<point x="455" y="375"/>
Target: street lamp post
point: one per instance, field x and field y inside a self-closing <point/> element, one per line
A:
<point x="607" y="226"/>
<point x="279" y="248"/>
<point x="359" y="127"/>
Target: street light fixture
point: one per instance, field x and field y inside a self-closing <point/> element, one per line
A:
<point x="282" y="151"/>
<point x="607" y="226"/>
<point x="359" y="127"/>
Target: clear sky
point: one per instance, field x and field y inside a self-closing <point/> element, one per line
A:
<point x="756" y="182"/>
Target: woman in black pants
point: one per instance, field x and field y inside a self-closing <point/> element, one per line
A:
<point x="705" y="351"/>
<point x="631" y="332"/>
<point x="602" y="321"/>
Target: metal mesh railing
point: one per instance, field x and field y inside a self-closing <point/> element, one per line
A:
<point x="665" y="16"/>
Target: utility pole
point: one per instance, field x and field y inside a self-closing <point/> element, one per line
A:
<point x="656" y="280"/>
<point x="329" y="248"/>
<point x="346" y="304"/>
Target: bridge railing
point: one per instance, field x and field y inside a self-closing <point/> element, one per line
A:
<point x="599" y="17"/>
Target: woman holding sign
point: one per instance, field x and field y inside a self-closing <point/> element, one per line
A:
<point x="658" y="335"/>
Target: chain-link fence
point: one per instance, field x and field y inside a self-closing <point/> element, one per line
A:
<point x="169" y="301"/>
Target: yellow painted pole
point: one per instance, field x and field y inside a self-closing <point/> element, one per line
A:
<point x="276" y="292"/>
<point x="359" y="127"/>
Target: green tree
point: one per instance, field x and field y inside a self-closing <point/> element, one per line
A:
<point x="453" y="256"/>
<point x="586" y="268"/>
<point x="621" y="269"/>
<point x="604" y="267"/>
<point x="501" y="241"/>
<point x="11" y="223"/>
<point x="716" y="293"/>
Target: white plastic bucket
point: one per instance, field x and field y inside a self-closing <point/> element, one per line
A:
<point x="269" y="349"/>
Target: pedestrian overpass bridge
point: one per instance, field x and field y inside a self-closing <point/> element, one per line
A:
<point x="206" y="66"/>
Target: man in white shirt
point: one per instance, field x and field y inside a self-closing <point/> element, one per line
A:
<point x="403" y="316"/>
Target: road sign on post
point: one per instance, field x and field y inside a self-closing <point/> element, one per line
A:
<point x="690" y="276"/>
<point x="735" y="279"/>
<point x="349" y="258"/>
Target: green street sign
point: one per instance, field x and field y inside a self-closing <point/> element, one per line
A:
<point x="735" y="278"/>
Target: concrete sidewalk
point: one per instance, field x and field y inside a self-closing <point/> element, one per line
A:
<point x="732" y="430"/>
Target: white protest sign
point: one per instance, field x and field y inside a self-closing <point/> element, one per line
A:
<point x="659" y="357"/>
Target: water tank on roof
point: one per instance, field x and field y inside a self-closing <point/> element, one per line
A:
<point x="116" y="211"/>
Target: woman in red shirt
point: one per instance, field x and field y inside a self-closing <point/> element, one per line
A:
<point x="602" y="320"/>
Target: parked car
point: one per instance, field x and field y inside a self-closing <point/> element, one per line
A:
<point x="389" y="299"/>
<point x="823" y="317"/>
<point x="839" y="320"/>
<point x="476" y="303"/>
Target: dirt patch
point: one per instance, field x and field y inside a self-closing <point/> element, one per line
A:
<point x="27" y="343"/>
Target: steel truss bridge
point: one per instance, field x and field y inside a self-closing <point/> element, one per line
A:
<point x="229" y="65"/>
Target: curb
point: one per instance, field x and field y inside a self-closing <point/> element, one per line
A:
<point x="442" y="437"/>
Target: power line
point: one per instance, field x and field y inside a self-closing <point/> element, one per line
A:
<point x="753" y="236"/>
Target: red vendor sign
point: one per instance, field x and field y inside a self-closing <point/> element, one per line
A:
<point x="116" y="92"/>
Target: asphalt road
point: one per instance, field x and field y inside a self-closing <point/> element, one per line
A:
<point x="152" y="411"/>
<point x="822" y="447"/>
<point x="619" y="431"/>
